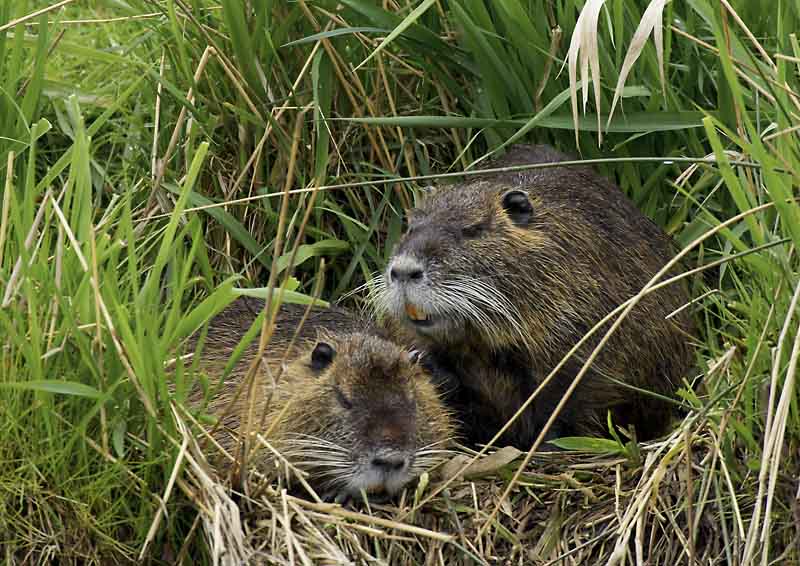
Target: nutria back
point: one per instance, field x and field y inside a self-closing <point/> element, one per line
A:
<point x="345" y="404"/>
<point x="502" y="275"/>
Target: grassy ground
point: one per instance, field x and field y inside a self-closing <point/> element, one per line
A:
<point x="144" y="150"/>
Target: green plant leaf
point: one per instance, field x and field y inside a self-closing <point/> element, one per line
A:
<point x="53" y="386"/>
<point x="334" y="33"/>
<point x="587" y="444"/>
<point x="289" y="296"/>
<point x="630" y="123"/>
<point x="317" y="249"/>
<point x="401" y="27"/>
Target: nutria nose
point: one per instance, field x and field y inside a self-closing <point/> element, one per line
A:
<point x="389" y="462"/>
<point x="405" y="269"/>
<point x="405" y="275"/>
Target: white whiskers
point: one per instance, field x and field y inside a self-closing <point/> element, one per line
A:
<point x="377" y="293"/>
<point x="329" y="464"/>
<point x="478" y="300"/>
<point x="464" y="298"/>
<point x="376" y="279"/>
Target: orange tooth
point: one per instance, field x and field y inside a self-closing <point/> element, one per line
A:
<point x="413" y="313"/>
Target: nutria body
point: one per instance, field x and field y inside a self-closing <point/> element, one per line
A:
<point x="351" y="408"/>
<point x="499" y="277"/>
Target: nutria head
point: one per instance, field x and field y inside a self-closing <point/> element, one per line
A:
<point x="474" y="261"/>
<point x="363" y="415"/>
<point x="530" y="259"/>
<point x="351" y="408"/>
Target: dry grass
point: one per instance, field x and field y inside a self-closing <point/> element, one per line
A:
<point x="673" y="503"/>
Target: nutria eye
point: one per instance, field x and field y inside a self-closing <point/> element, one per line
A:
<point x="322" y="356"/>
<point x="343" y="401"/>
<point x="518" y="207"/>
<point x="473" y="231"/>
<point x="414" y="356"/>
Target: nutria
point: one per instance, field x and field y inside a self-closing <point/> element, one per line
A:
<point x="362" y="414"/>
<point x="500" y="276"/>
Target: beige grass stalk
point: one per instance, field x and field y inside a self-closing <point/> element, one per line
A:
<point x="34" y="15"/>
<point x="276" y="119"/>
<point x="252" y="378"/>
<point x="324" y="543"/>
<point x="57" y="278"/>
<point x="652" y="21"/>
<point x="173" y="141"/>
<point x="375" y="136"/>
<point x="157" y="119"/>
<point x="451" y="175"/>
<point x="98" y="340"/>
<point x="11" y="286"/>
<point x="584" y="43"/>
<point x="288" y="466"/>
<point x="746" y="71"/>
<point x="337" y="511"/>
<point x="653" y="473"/>
<point x="162" y="507"/>
<point x="104" y="311"/>
<point x="6" y="203"/>
<point x="750" y="36"/>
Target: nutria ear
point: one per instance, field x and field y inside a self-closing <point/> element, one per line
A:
<point x="518" y="207"/>
<point x="423" y="193"/>
<point x="322" y="356"/>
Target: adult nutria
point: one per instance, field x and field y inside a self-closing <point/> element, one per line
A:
<point x="499" y="277"/>
<point x="351" y="408"/>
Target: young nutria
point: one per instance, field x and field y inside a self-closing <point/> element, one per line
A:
<point x="500" y="276"/>
<point x="351" y="408"/>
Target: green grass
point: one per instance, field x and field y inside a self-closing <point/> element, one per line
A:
<point x="116" y="243"/>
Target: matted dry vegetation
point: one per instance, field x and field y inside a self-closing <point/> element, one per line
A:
<point x="574" y="508"/>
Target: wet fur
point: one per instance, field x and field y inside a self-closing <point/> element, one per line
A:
<point x="586" y="250"/>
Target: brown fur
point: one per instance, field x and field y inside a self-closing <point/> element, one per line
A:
<point x="372" y="400"/>
<point x="585" y="250"/>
